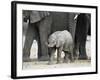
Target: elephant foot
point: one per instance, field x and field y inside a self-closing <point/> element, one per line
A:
<point x="67" y="61"/>
<point x="27" y="59"/>
<point x="58" y="62"/>
<point x="83" y="58"/>
<point x="76" y="58"/>
<point x="44" y="58"/>
<point x="72" y="60"/>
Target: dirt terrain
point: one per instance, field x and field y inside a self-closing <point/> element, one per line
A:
<point x="44" y="64"/>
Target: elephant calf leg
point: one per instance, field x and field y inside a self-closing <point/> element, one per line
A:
<point x="51" y="60"/>
<point x="59" y="55"/>
<point x="66" y="57"/>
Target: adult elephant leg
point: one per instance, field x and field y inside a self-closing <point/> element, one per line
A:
<point x="51" y="60"/>
<point x="82" y="46"/>
<point x="72" y="28"/>
<point x="82" y="50"/>
<point x="31" y="34"/>
<point x="76" y="49"/>
<point x="44" y="31"/>
<point x="39" y="47"/>
<point x="81" y="33"/>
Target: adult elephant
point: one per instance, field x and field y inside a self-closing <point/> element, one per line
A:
<point x="38" y="29"/>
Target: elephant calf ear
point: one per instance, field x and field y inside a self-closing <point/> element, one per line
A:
<point x="57" y="43"/>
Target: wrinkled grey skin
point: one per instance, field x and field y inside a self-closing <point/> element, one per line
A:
<point x="62" y="41"/>
<point x="40" y="30"/>
<point x="83" y="24"/>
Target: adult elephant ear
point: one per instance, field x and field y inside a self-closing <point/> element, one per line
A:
<point x="26" y="15"/>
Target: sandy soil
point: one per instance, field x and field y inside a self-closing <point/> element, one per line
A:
<point x="44" y="64"/>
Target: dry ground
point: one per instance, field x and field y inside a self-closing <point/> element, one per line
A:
<point x="44" y="64"/>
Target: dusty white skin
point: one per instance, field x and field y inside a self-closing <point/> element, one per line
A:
<point x="61" y="38"/>
<point x="62" y="41"/>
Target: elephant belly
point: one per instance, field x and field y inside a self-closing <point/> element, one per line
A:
<point x="66" y="48"/>
<point x="59" y="20"/>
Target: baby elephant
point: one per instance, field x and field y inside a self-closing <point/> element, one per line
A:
<point x="62" y="41"/>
